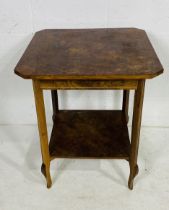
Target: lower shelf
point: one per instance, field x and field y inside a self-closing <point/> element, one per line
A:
<point x="89" y="134"/>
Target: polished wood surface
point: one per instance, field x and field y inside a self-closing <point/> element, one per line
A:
<point x="90" y="134"/>
<point x="119" y="53"/>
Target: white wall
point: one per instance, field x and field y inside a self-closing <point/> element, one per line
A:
<point x="19" y="19"/>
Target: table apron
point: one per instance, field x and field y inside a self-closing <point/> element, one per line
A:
<point x="88" y="84"/>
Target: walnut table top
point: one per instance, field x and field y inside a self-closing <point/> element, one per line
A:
<point x="89" y="54"/>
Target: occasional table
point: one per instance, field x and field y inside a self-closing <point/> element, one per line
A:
<point x="114" y="59"/>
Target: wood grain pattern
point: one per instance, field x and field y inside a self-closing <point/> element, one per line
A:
<point x="88" y="84"/>
<point x="90" y="134"/>
<point x="118" y="53"/>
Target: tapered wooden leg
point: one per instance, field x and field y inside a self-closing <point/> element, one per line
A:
<point x="40" y="109"/>
<point x="137" y="113"/>
<point x="125" y="105"/>
<point x="54" y="102"/>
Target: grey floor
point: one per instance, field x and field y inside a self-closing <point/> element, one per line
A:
<point x="82" y="184"/>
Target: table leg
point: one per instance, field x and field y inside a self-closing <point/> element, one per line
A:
<point x="54" y="102"/>
<point x="125" y="105"/>
<point x="40" y="109"/>
<point x="136" y="124"/>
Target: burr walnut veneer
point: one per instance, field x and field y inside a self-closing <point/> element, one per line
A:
<point x="116" y="59"/>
